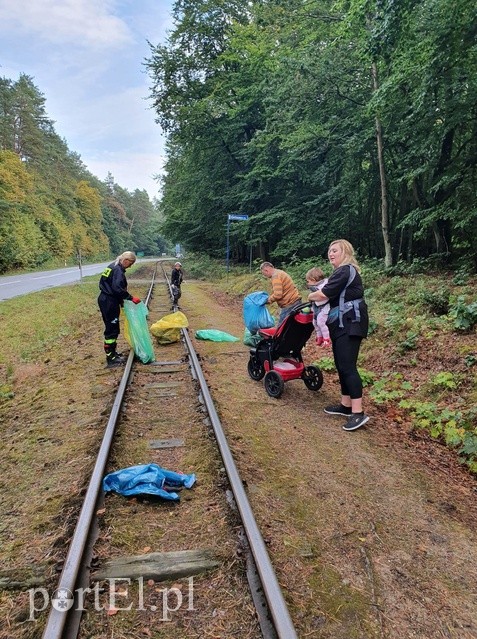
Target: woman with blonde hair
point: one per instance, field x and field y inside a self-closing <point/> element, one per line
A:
<point x="348" y="326"/>
<point x="113" y="288"/>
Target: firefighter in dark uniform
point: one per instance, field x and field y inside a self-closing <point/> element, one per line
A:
<point x="114" y="290"/>
<point x="177" y="277"/>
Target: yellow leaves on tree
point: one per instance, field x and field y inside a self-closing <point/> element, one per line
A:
<point x="36" y="227"/>
<point x="88" y="203"/>
<point x="15" y="182"/>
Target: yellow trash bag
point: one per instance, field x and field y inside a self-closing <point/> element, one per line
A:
<point x="167" y="330"/>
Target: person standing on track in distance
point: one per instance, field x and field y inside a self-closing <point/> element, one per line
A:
<point x="113" y="288"/>
<point x="177" y="277"/>
<point x="284" y="291"/>
<point x="348" y="326"/>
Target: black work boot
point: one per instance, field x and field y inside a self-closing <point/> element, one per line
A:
<point x="116" y="360"/>
<point x="112" y="357"/>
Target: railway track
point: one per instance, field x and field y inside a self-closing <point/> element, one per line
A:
<point x="163" y="413"/>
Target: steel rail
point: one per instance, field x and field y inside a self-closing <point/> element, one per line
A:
<point x="273" y="592"/>
<point x="57" y="618"/>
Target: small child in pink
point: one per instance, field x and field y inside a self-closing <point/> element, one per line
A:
<point x="315" y="280"/>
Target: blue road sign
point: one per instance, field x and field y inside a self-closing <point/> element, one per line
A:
<point x="238" y="217"/>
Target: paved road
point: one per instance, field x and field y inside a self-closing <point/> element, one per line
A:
<point x="15" y="285"/>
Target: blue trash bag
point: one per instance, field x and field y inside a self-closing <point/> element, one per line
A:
<point x="255" y="314"/>
<point x="147" y="479"/>
<point x="137" y="331"/>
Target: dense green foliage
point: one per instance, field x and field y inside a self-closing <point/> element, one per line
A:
<point x="277" y="109"/>
<point x="51" y="207"/>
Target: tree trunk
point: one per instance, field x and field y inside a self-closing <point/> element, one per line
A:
<point x="388" y="256"/>
<point x="262" y="251"/>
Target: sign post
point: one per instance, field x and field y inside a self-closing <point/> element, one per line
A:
<point x="232" y="217"/>
<point x="80" y="264"/>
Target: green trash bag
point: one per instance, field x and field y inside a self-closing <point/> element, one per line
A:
<point x="215" y="336"/>
<point x="136" y="331"/>
<point x="251" y="339"/>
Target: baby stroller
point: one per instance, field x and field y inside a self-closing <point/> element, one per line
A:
<point x="277" y="356"/>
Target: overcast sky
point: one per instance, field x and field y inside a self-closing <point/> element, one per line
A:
<point x="86" y="57"/>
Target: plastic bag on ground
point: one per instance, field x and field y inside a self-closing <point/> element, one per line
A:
<point x="167" y="330"/>
<point x="250" y="339"/>
<point x="147" y="479"/>
<point x="214" y="335"/>
<point x="176" y="292"/>
<point x="136" y="331"/>
<point x="255" y="314"/>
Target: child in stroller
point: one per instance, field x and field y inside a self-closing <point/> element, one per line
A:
<point x="277" y="357"/>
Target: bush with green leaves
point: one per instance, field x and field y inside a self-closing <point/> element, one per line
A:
<point x="463" y="314"/>
<point x="367" y="377"/>
<point x="326" y="364"/>
<point x="461" y="276"/>
<point x="435" y="302"/>
<point x="391" y="387"/>
<point x="373" y="274"/>
<point x="373" y="326"/>
<point x="470" y="360"/>
<point x="445" y="380"/>
<point x="395" y="319"/>
<point x="458" y="428"/>
<point x="419" y="265"/>
<point x="409" y="343"/>
<point x="202" y="267"/>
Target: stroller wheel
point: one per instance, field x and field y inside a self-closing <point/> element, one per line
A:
<point x="274" y="384"/>
<point x="255" y="369"/>
<point x="313" y="378"/>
